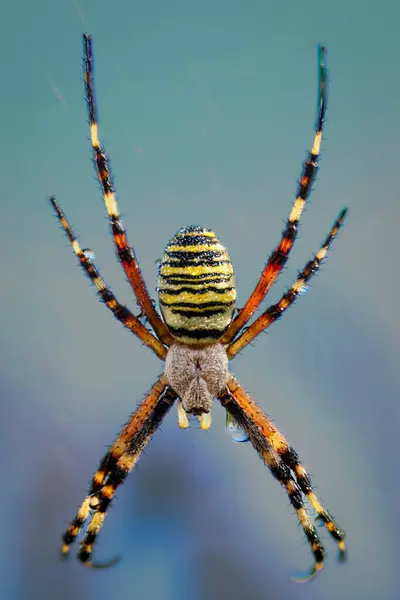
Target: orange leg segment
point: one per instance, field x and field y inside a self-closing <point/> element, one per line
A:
<point x="120" y="312"/>
<point x="280" y="255"/>
<point x="284" y="464"/>
<point x="275" y="311"/>
<point x="115" y="467"/>
<point x="125" y="252"/>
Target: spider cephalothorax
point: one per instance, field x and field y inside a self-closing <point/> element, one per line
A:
<point x="197" y="374"/>
<point x="196" y="336"/>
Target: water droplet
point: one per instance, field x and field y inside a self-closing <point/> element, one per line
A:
<point x="89" y="254"/>
<point x="319" y="522"/>
<point x="303" y="290"/>
<point x="235" y="431"/>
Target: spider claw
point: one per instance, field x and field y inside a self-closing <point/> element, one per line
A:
<point x="307" y="576"/>
<point x="205" y="420"/>
<point x="183" y="419"/>
<point x="102" y="565"/>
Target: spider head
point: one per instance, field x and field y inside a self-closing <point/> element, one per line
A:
<point x="196" y="375"/>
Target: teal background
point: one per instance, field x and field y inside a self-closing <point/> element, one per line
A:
<point x="206" y="109"/>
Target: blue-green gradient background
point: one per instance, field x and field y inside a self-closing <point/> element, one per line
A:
<point x="206" y="109"/>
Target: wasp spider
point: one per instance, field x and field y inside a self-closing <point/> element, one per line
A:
<point x="197" y="334"/>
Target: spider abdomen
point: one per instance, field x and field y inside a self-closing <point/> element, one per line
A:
<point x="196" y="286"/>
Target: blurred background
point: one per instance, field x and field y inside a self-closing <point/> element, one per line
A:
<point x="206" y="109"/>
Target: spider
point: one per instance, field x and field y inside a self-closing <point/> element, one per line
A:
<point x="197" y="334"/>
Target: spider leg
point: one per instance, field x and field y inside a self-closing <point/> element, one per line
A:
<point x="275" y="311"/>
<point x="280" y="255"/>
<point x="125" y="252"/>
<point x="262" y="431"/>
<point x="291" y="459"/>
<point x="119" y="311"/>
<point x="282" y="473"/>
<point x="115" y="467"/>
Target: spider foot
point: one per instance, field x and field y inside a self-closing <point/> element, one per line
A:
<point x="325" y="520"/>
<point x="101" y="565"/>
<point x="302" y="578"/>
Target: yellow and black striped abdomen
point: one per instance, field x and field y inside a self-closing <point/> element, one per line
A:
<point x="196" y="286"/>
